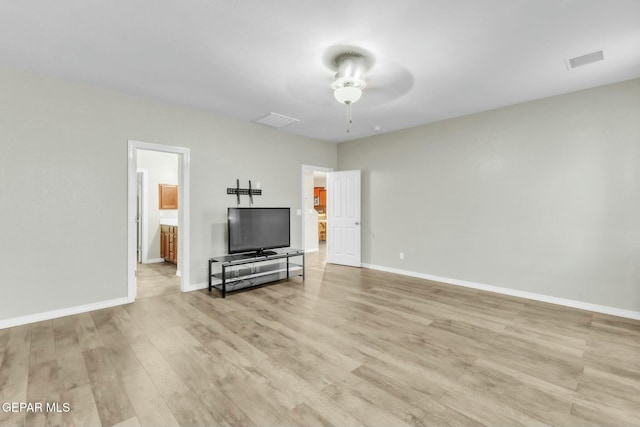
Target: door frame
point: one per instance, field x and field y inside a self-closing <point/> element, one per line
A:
<point x="144" y="216"/>
<point x="305" y="169"/>
<point x="184" y="260"/>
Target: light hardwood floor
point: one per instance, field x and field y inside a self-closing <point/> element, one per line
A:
<point x="157" y="279"/>
<point x="348" y="347"/>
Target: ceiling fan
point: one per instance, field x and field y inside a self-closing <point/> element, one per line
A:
<point x="356" y="69"/>
<point x="356" y="75"/>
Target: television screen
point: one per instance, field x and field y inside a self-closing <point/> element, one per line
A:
<point x="257" y="229"/>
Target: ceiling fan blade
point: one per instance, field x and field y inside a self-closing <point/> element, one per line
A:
<point x="386" y="82"/>
<point x="311" y="85"/>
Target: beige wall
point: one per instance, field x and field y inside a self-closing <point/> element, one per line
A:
<point x="63" y="181"/>
<point x="541" y="197"/>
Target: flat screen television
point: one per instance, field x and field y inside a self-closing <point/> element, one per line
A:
<point x="258" y="229"/>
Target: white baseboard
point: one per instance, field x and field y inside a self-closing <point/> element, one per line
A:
<point x="54" y="314"/>
<point x="308" y="251"/>
<point x="196" y="287"/>
<point x="153" y="260"/>
<point x="513" y="292"/>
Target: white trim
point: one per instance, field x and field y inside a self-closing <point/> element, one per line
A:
<point x="183" y="213"/>
<point x="153" y="261"/>
<point x="308" y="251"/>
<point x="54" y="314"/>
<point x="196" y="287"/>
<point x="144" y="221"/>
<point x="513" y="292"/>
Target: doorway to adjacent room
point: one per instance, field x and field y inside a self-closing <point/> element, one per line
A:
<point x="314" y="209"/>
<point x="145" y="239"/>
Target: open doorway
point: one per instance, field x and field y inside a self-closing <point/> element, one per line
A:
<point x="320" y="206"/>
<point x="158" y="238"/>
<point x="157" y="272"/>
<point x="314" y="203"/>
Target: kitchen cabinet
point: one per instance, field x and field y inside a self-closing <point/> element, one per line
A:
<point x="319" y="197"/>
<point x="169" y="243"/>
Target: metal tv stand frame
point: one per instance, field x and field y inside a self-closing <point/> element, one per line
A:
<point x="268" y="267"/>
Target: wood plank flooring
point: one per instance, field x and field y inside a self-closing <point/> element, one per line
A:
<point x="347" y="347"/>
<point x="157" y="279"/>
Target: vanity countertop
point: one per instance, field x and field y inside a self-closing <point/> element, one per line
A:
<point x="169" y="221"/>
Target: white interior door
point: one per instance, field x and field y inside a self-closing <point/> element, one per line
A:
<point x="343" y="218"/>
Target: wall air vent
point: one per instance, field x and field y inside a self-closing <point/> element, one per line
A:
<point x="276" y="120"/>
<point x="589" y="58"/>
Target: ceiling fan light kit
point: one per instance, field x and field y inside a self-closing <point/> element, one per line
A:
<point x="347" y="94"/>
<point x="348" y="84"/>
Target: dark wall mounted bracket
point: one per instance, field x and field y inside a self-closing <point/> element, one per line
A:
<point x="244" y="191"/>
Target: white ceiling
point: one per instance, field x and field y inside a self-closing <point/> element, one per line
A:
<point x="434" y="59"/>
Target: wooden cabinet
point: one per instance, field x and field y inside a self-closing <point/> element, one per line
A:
<point x="164" y="241"/>
<point x="322" y="230"/>
<point x="319" y="197"/>
<point x="169" y="243"/>
<point x="173" y="246"/>
<point x="167" y="196"/>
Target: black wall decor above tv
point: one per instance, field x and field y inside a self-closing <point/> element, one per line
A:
<point x="258" y="229"/>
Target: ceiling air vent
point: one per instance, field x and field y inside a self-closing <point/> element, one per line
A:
<point x="589" y="58"/>
<point x="276" y="120"/>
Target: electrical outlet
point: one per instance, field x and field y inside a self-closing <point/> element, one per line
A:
<point x="401" y="255"/>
